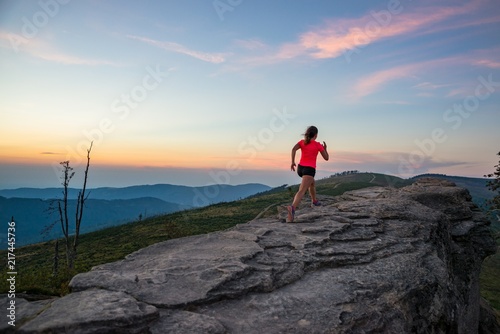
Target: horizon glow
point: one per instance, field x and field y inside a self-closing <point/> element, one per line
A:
<point x="179" y="91"/>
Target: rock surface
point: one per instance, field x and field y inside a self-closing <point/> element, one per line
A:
<point x="374" y="260"/>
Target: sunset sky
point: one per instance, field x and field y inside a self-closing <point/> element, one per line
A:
<point x="201" y="92"/>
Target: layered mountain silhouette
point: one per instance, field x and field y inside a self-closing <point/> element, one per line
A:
<point x="33" y="208"/>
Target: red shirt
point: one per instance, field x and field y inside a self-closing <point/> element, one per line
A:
<point x="309" y="153"/>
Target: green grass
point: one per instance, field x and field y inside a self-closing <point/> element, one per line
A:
<point x="490" y="278"/>
<point x="34" y="263"/>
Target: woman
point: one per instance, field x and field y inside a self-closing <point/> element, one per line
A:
<point x="307" y="168"/>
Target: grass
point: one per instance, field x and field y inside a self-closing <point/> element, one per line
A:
<point x="490" y="279"/>
<point x="34" y="263"/>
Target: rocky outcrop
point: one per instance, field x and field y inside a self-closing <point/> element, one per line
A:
<point x="378" y="260"/>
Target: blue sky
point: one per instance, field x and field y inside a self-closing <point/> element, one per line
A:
<point x="201" y="92"/>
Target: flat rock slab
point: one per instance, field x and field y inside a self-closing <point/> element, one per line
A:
<point x="93" y="311"/>
<point x="177" y="272"/>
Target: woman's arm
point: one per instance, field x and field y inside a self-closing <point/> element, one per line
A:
<point x="294" y="150"/>
<point x="324" y="153"/>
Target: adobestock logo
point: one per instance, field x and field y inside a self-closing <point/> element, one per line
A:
<point x="120" y="109"/>
<point x="138" y="93"/>
<point x="373" y="28"/>
<point x="32" y="26"/>
<point x="249" y="149"/>
<point x="453" y="116"/>
<point x="280" y="120"/>
<point x="223" y="6"/>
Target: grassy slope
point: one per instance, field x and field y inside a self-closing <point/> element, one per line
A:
<point x="490" y="280"/>
<point x="34" y="263"/>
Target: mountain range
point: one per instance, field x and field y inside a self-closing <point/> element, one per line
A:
<point x="108" y="207"/>
<point x="184" y="195"/>
<point x="114" y="243"/>
<point x="36" y="217"/>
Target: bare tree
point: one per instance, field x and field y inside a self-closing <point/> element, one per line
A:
<point x="79" y="207"/>
<point x="71" y="242"/>
<point x="63" y="208"/>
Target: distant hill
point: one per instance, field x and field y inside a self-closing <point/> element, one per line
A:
<point x="107" y="207"/>
<point x="114" y="243"/>
<point x="339" y="183"/>
<point x="115" y="206"/>
<point x="184" y="195"/>
<point x="32" y="215"/>
<point x="476" y="186"/>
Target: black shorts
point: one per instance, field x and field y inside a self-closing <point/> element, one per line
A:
<point x="305" y="170"/>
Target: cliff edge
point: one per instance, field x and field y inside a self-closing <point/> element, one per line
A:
<point x="378" y="260"/>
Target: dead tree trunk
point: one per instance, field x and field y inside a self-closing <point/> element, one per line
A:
<point x="71" y="244"/>
<point x="63" y="208"/>
<point x="80" y="203"/>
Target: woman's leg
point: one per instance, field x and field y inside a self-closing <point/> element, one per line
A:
<point x="307" y="180"/>
<point x="312" y="191"/>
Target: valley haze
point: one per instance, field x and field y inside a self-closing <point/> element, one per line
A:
<point x="110" y="206"/>
<point x="105" y="207"/>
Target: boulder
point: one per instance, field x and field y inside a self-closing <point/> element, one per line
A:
<point x="374" y="260"/>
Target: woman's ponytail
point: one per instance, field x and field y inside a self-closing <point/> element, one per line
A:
<point x="310" y="133"/>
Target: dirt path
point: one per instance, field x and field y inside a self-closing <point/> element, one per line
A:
<point x="264" y="211"/>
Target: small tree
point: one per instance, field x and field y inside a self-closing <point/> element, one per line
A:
<point x="71" y="242"/>
<point x="80" y="205"/>
<point x="63" y="208"/>
<point x="494" y="185"/>
<point x="494" y="203"/>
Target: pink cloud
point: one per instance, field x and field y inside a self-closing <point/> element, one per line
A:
<point x="337" y="37"/>
<point x="72" y="60"/>
<point x="430" y="86"/>
<point x="342" y="37"/>
<point x="12" y="41"/>
<point x="215" y="58"/>
<point x="40" y="49"/>
<point x="487" y="63"/>
<point x="372" y="82"/>
<point x="458" y="92"/>
<point x="250" y="44"/>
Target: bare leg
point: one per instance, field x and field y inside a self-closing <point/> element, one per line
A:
<point x="312" y="191"/>
<point x="306" y="183"/>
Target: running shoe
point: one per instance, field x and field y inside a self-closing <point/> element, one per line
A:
<point x="315" y="203"/>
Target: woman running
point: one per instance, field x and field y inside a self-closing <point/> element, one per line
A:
<point x="307" y="168"/>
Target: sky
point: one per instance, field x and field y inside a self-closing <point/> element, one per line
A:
<point x="198" y="92"/>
